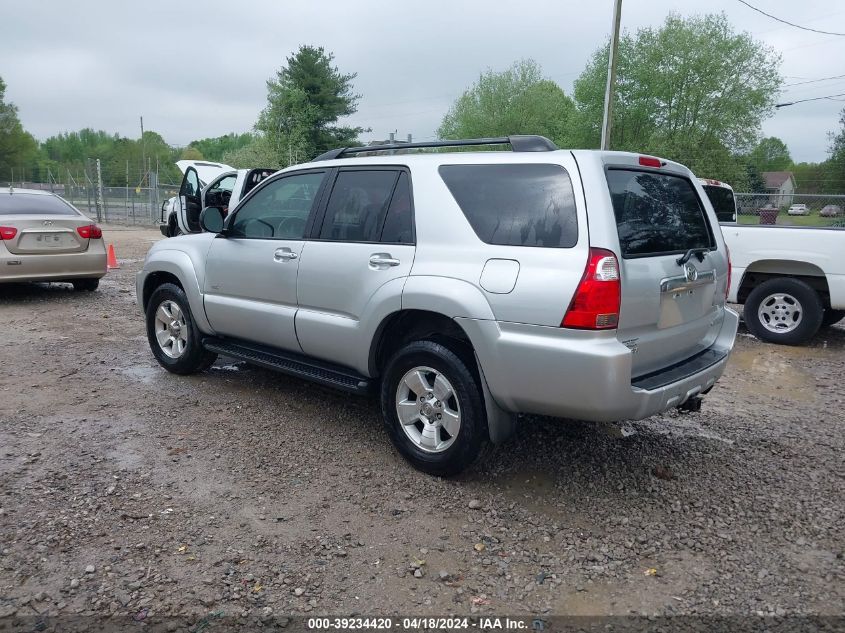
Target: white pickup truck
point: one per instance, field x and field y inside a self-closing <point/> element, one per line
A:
<point x="206" y="184"/>
<point x="790" y="278"/>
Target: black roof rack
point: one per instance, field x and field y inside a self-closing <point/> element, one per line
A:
<point x="518" y="143"/>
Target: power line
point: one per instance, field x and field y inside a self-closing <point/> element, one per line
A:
<point x="830" y="97"/>
<point x="812" y="81"/>
<point x="797" y="26"/>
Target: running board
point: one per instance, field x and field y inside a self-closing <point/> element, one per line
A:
<point x="297" y="365"/>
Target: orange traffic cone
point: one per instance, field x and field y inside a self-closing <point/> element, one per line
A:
<point x="111" y="260"/>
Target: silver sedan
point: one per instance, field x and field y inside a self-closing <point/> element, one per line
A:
<point x="45" y="238"/>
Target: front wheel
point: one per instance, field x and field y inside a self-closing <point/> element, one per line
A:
<point x="173" y="336"/>
<point x="785" y="310"/>
<point x="433" y="408"/>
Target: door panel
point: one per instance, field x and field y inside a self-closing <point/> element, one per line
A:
<point x="190" y="202"/>
<point x="251" y="270"/>
<point x="351" y="276"/>
<point x="251" y="292"/>
<point x="337" y="282"/>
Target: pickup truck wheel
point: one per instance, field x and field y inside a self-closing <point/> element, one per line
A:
<point x="832" y="316"/>
<point x="173" y="336"/>
<point x="433" y="408"/>
<point x="786" y="311"/>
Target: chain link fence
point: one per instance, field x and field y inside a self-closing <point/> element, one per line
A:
<point x="794" y="209"/>
<point x="119" y="205"/>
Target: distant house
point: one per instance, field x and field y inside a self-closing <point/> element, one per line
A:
<point x="780" y="185"/>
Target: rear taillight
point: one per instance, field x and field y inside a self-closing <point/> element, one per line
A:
<point x="596" y="302"/>
<point x="730" y="271"/>
<point x="7" y="232"/>
<point x="91" y="231"/>
<point x="651" y="161"/>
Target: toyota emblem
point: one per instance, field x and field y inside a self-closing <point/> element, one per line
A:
<point x="48" y="223"/>
<point x="690" y="272"/>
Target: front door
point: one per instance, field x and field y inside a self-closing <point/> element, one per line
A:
<point x="190" y="202"/>
<point x="250" y="283"/>
<point x="364" y="245"/>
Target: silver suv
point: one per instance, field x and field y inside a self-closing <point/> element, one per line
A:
<point x="463" y="287"/>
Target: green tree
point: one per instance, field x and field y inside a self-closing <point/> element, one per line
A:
<point x="17" y="147"/>
<point x="834" y="166"/>
<point x="215" y="148"/>
<point x="519" y="100"/>
<point x="770" y="154"/>
<point x="692" y="90"/>
<point x="190" y="153"/>
<point x="754" y="180"/>
<point x="258" y="153"/>
<point x="304" y="102"/>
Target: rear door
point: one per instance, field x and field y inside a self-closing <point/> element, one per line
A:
<point x="42" y="224"/>
<point x="364" y="244"/>
<point x="672" y="301"/>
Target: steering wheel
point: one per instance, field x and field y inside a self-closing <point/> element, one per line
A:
<point x="292" y="228"/>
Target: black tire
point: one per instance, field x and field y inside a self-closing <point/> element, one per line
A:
<point x="173" y="227"/>
<point x="832" y="317"/>
<point x="809" y="306"/>
<point x="472" y="438"/>
<point x="88" y="285"/>
<point x="195" y="358"/>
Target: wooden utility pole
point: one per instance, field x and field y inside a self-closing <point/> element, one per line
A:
<point x="611" y="75"/>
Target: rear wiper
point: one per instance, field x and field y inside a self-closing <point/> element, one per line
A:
<point x="698" y="252"/>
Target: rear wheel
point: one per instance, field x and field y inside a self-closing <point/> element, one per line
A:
<point x="433" y="408"/>
<point x="785" y="310"/>
<point x="89" y="285"/>
<point x="173" y="336"/>
<point x="832" y="316"/>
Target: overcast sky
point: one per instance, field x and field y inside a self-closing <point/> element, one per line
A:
<point x="198" y="69"/>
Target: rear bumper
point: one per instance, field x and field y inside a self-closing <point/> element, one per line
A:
<point x="53" y="266"/>
<point x="587" y="375"/>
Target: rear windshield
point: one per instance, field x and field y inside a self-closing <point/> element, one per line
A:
<point x="516" y="205"/>
<point x="723" y="203"/>
<point x="657" y="214"/>
<point x="33" y="204"/>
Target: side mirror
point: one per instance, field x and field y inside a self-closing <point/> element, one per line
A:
<point x="211" y="219"/>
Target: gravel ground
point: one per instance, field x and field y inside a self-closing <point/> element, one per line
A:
<point x="127" y="490"/>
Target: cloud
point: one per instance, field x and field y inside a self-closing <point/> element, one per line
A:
<point x="196" y="69"/>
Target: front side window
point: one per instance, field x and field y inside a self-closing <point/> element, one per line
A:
<point x="191" y="184"/>
<point x="657" y="214"/>
<point x="358" y="205"/>
<point x="278" y="210"/>
<point x="516" y="205"/>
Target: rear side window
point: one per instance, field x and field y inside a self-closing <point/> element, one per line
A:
<point x="657" y="214"/>
<point x="29" y="204"/>
<point x="516" y="205"/>
<point x="399" y="224"/>
<point x="358" y="205"/>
